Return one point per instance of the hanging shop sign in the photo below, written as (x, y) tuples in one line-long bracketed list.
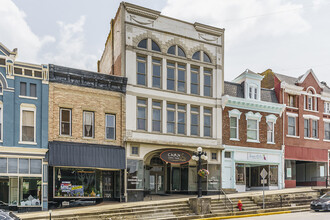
[(175, 156)]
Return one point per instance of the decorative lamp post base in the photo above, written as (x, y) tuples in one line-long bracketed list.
[(200, 206)]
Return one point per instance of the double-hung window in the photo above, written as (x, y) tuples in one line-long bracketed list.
[(156, 116), (171, 118), (28, 126), (292, 126), (170, 76), (194, 127), (307, 128), (156, 73), (176, 118), (327, 107), (110, 126), (315, 129), (233, 128), (194, 86), (181, 86), (181, 119), (22, 91), (327, 131), (270, 132), (207, 82), (0, 123), (88, 124), (252, 129), (33, 90), (207, 122), (141, 70), (142, 114), (65, 123), (291, 100), (253, 92)]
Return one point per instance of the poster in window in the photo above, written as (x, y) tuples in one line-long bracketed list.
[(66, 186), (288, 172), (321, 171), (77, 190)]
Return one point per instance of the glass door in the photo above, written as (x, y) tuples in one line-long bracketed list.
[(108, 192), (156, 181), (4, 192)]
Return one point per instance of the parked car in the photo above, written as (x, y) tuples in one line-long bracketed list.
[(322, 203), (7, 215)]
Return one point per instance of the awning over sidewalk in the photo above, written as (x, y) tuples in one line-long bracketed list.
[(307, 154), (86, 155)]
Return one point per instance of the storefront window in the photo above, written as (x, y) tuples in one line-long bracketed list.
[(273, 175), (134, 174), (290, 170), (30, 191), (240, 174), (13, 184), (214, 177), (71, 182)]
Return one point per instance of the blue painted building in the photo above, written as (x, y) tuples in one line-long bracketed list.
[(23, 133)]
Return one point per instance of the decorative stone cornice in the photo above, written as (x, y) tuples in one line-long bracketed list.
[(85, 78), (253, 105), (208, 29), (141, 11)]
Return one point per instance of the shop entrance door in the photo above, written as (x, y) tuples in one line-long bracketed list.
[(4, 193), (156, 183), (108, 184)]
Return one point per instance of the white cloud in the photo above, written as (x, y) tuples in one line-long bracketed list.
[(248, 18), (70, 49), (16, 33)]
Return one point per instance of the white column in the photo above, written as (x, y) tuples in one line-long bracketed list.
[(149, 71), (188, 79), (164, 74), (214, 83), (188, 119), (149, 112), (201, 121), (201, 81), (164, 117)]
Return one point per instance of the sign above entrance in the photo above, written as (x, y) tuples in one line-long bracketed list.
[(175, 156)]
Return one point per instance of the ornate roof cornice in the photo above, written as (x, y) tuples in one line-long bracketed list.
[(141, 11)]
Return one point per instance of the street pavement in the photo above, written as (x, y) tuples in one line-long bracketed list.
[(295, 216)]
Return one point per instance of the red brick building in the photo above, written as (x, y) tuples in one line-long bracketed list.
[(306, 128)]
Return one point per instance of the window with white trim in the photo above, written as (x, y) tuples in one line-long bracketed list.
[(253, 92), (291, 100), (88, 122), (156, 116), (141, 70), (156, 73), (291, 126), (307, 128), (234, 116), (65, 121), (135, 150), (327, 131), (270, 132), (194, 80), (28, 125), (110, 126), (0, 122), (207, 122), (310, 100), (194, 125), (315, 129), (142, 114), (253, 126), (327, 107)]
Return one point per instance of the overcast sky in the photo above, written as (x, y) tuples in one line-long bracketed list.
[(287, 36)]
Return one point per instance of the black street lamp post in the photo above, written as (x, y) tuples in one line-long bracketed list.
[(199, 156)]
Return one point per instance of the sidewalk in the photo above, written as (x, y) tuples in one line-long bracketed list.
[(156, 200)]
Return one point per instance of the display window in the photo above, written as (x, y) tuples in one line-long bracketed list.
[(30, 191), (135, 174), (240, 175), (75, 182), (214, 177)]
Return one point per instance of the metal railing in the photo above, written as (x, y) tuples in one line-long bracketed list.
[(320, 181), (226, 201)]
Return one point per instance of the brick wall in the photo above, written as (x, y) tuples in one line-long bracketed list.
[(79, 99), (243, 131)]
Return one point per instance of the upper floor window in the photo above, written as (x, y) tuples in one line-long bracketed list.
[(0, 123), (33, 90), (142, 114), (270, 132), (156, 73), (88, 124), (201, 54), (110, 126), (207, 122), (176, 118), (156, 116), (0, 88), (2, 61), (141, 70), (145, 45), (234, 116), (65, 121), (291, 126), (23, 89), (194, 77), (253, 92), (327, 107), (28, 125), (291, 100), (253, 120), (194, 127), (176, 76), (176, 50), (315, 129), (311, 100), (207, 82), (307, 129), (327, 132)]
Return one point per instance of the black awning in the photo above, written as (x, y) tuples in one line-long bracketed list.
[(86, 155)]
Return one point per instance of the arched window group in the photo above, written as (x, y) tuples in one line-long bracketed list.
[(145, 45), (201, 54)]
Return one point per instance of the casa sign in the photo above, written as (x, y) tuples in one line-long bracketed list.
[(175, 156)]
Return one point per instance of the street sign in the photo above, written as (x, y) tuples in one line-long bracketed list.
[(264, 181), (263, 173)]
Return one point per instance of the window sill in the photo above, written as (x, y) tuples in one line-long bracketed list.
[(29, 143), (312, 139), (65, 136), (27, 97), (110, 140), (311, 110), (253, 141), (325, 113), (292, 136), (88, 138), (234, 139), (326, 140), (291, 107), (271, 143)]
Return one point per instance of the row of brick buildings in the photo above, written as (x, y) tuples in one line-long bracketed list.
[(131, 128)]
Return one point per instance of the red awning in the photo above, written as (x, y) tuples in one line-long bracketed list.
[(304, 153)]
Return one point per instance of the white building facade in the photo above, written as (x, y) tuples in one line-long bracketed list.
[(173, 102)]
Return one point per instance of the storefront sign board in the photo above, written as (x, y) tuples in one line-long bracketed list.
[(175, 156), (257, 157)]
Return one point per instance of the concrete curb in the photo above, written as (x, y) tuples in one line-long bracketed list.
[(245, 216)]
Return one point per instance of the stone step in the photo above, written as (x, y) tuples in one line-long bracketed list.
[(148, 212)]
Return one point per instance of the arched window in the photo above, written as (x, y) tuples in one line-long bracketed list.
[(311, 99), (156, 161), (176, 50), (0, 88), (154, 46), (198, 56), (143, 43)]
